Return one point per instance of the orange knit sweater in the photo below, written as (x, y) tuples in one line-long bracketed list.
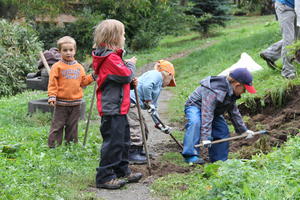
[(66, 82)]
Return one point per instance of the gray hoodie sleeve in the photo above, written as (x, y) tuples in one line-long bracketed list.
[(209, 101), (237, 120)]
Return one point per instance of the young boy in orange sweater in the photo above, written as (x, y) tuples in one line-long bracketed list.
[(67, 77)]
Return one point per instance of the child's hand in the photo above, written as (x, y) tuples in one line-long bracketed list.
[(52, 103), (134, 81), (133, 60)]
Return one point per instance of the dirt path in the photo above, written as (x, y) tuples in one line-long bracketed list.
[(158, 143)]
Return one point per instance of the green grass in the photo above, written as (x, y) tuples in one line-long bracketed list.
[(272, 176), (264, 177), (36, 172)]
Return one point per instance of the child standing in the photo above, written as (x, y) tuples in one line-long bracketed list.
[(115, 76), (67, 77), (150, 85), (204, 111)]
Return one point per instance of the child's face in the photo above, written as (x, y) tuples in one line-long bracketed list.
[(68, 51), (238, 88), (167, 79)]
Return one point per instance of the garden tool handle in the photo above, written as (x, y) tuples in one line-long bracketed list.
[(142, 128), (45, 62), (172, 136), (234, 138)]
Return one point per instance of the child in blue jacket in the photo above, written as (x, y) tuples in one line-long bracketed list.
[(149, 87)]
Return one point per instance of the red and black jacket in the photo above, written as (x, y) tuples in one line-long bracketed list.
[(114, 77)]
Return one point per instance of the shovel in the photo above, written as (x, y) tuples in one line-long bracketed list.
[(178, 143), (234, 138)]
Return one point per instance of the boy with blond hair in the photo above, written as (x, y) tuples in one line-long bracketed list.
[(150, 85), (67, 77)]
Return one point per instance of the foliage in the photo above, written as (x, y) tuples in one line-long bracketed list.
[(29, 166), (81, 31), (209, 13), (32, 8), (7, 10), (262, 7), (19, 47), (272, 176), (145, 21)]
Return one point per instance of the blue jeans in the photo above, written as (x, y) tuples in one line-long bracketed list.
[(193, 135)]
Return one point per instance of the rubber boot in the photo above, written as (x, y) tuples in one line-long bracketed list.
[(135, 157)]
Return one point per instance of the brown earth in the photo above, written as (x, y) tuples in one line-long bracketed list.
[(279, 122)]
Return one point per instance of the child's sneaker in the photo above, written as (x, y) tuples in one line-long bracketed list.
[(112, 184), (133, 177), (194, 160)]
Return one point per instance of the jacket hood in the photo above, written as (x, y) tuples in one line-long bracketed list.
[(215, 82), (100, 54), (218, 83)]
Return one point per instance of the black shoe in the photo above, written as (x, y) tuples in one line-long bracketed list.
[(133, 177), (270, 62), (135, 157), (112, 184), (151, 155)]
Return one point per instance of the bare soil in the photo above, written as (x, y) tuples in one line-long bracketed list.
[(279, 122)]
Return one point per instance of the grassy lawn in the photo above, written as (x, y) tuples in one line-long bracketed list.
[(30, 170), (269, 176)]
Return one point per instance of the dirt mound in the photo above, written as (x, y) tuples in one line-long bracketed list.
[(159, 169), (280, 123)]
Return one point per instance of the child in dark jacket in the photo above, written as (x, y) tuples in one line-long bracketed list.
[(113, 102), (204, 111)]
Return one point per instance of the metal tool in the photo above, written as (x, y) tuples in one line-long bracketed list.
[(157, 118), (234, 138)]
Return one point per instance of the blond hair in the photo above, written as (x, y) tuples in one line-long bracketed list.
[(65, 39), (109, 33)]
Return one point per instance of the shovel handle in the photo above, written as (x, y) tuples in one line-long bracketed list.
[(234, 138), (45, 62)]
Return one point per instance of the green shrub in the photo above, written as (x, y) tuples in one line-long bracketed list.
[(146, 21), (19, 47), (81, 31), (209, 13)]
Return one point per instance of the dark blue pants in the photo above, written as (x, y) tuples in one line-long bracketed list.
[(114, 151), (193, 135)]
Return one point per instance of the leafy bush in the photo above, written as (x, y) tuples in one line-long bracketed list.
[(262, 7), (19, 47), (145, 20), (81, 31), (209, 13)]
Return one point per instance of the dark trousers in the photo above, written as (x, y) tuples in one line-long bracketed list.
[(64, 118), (114, 151)]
